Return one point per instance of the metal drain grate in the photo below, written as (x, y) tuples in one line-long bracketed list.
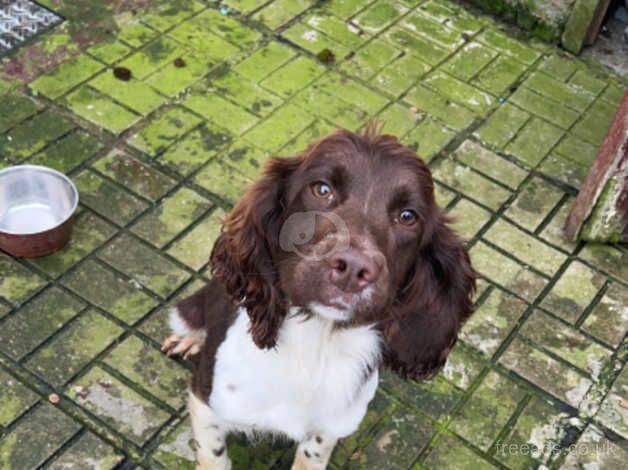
[(21, 19)]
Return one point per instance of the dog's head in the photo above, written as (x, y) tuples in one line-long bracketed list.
[(349, 230)]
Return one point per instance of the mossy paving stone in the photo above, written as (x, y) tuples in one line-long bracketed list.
[(135, 33), (157, 325), (203, 43), (502, 125), (32, 135), (544, 107), (552, 376), (313, 41), (460, 92), (468, 218), (109, 291), (488, 410), (499, 75), (88, 452), (17, 283), (283, 125), (349, 448), (132, 93), (35, 321), (213, 107), (379, 15), (67, 153), (493, 321), (370, 59), (504, 43), (398, 119), (533, 203), (152, 56), (177, 450), (172, 80), (109, 52), (428, 138), (565, 342), (245, 92), (195, 246), (222, 179), (397, 443), (572, 96), (435, 398), (452, 114), (15, 108), (593, 450), (196, 148), (4, 309), (553, 231), (577, 150), (36, 438), (15, 397), (400, 75), (421, 47), (72, 349), (463, 366), (573, 292), (279, 12), (534, 141), (164, 130), (293, 76), (613, 413), (608, 258), (145, 265), (315, 131), (424, 25), (537, 433), (173, 215), (107, 198), (99, 109), (262, 62), (451, 454), (135, 175), (506, 272), (336, 29), (119, 406), (164, 15), (560, 66), (525, 247), (352, 92), (88, 233), (331, 108), (149, 369), (608, 320), (564, 170), (595, 122), (469, 183), (491, 164), (66, 76), (469, 60), (229, 28)]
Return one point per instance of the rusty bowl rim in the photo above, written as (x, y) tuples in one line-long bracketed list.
[(44, 169)]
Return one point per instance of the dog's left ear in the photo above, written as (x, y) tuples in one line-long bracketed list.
[(424, 322)]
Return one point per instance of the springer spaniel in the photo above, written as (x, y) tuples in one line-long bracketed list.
[(333, 263)]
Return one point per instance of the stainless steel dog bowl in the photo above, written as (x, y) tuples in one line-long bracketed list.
[(36, 208)]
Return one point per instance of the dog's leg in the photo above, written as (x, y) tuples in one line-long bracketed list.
[(314, 452), (210, 437)]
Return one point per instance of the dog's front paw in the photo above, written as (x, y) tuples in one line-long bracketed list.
[(186, 346)]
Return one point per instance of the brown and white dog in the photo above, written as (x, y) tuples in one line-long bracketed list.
[(333, 263)]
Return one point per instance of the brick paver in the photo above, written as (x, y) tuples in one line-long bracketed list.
[(509, 126)]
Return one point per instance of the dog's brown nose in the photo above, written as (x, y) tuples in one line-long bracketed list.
[(352, 271)]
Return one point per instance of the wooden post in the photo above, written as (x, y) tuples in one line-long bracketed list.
[(600, 211)]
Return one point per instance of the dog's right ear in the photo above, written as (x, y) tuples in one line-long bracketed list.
[(242, 257)]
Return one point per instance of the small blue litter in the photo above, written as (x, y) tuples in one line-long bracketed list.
[(502, 99), (224, 10)]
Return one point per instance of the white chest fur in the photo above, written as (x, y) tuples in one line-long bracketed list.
[(313, 381)]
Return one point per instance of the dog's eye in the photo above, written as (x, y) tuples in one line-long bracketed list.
[(321, 189), (407, 217)]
